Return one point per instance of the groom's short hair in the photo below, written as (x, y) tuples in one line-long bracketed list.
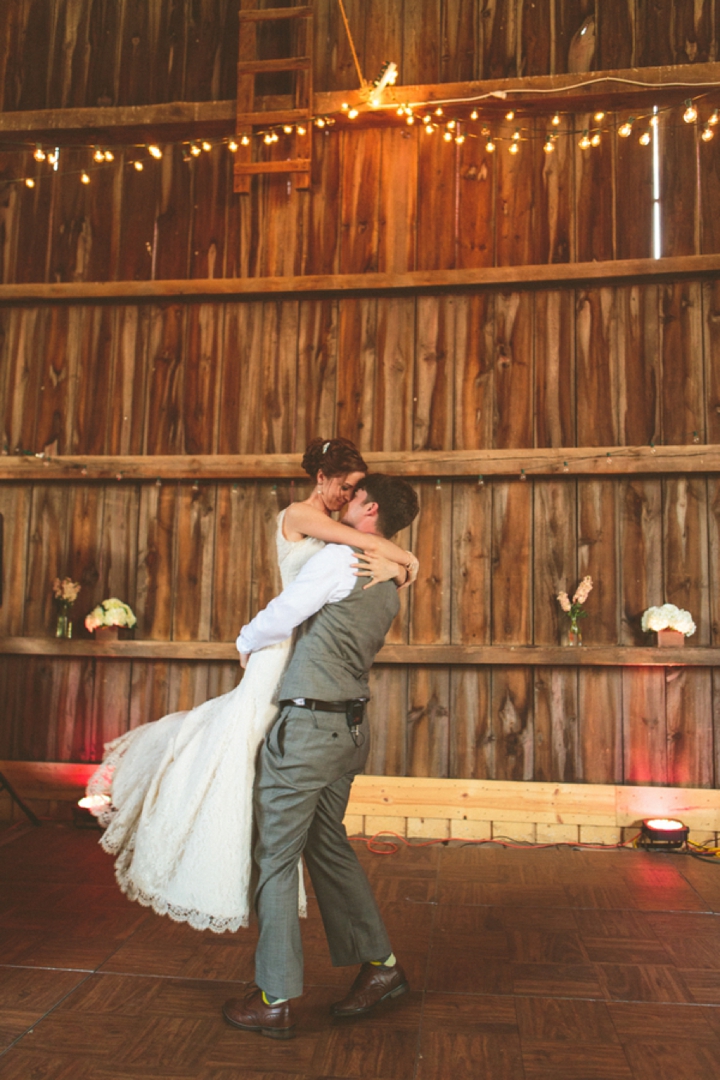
[(397, 502)]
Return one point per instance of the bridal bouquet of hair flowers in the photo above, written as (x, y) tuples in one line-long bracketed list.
[(110, 612), (668, 617), (574, 608)]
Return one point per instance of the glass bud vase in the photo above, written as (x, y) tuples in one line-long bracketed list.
[(64, 624), (574, 634)]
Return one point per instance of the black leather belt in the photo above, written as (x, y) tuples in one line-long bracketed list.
[(316, 705)]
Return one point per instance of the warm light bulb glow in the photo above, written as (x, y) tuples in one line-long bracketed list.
[(400, 110), (599, 116), (109, 156), (429, 129), (268, 139), (29, 182), (664, 823), (427, 119), (98, 155), (301, 130), (438, 111), (459, 138), (287, 128), (155, 152), (516, 135), (451, 124), (94, 802), (555, 120), (513, 148), (645, 138), (84, 178), (690, 114), (585, 143), (707, 133), (490, 146), (410, 120), (320, 122), (447, 136), (625, 129), (206, 146), (344, 106), (510, 115), (548, 146), (474, 114), (232, 146), (245, 141), (712, 120), (195, 150), (595, 139)]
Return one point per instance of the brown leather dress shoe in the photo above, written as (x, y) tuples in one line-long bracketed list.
[(374, 983), (250, 1013)]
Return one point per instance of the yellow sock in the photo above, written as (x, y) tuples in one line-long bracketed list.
[(389, 961), (272, 1000)]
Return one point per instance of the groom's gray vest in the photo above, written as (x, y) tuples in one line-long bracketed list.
[(335, 648)]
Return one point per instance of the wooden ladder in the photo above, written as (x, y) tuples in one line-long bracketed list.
[(248, 117)]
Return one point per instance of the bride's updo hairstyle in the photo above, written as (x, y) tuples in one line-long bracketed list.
[(336, 457)]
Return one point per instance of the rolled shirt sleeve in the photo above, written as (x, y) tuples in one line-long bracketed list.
[(326, 578)]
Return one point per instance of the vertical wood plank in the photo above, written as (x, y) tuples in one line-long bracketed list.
[(270, 499), (93, 412), (595, 191), (597, 390), (126, 422), (512, 563), (118, 553), (421, 42), (472, 567), (679, 222), (279, 367), (554, 345), (324, 216), (683, 413), (213, 181), (644, 727), (512, 718), (360, 200), (86, 504), (194, 562), (388, 721), (47, 555), (714, 560), (555, 721), (600, 736), (24, 355), (476, 202), (639, 364), (554, 559), (173, 223), (202, 377), (598, 558), (156, 536), (711, 355), (164, 389), (357, 338), (55, 386), (514, 370), (633, 178), (317, 370), (553, 212), (15, 506), (640, 518), (686, 568), (431, 542), (514, 236), (428, 721), (434, 405), (472, 744), (475, 372), (398, 199), (436, 210), (240, 399), (393, 405), (233, 559), (688, 696)]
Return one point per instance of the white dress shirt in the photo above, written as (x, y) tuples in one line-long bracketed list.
[(326, 578)]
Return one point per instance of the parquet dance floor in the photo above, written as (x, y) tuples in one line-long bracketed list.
[(524, 965)]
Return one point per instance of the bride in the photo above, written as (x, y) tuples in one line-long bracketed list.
[(179, 816)]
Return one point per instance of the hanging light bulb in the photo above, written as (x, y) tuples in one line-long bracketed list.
[(707, 133), (344, 106), (232, 146), (645, 138), (626, 129), (490, 146), (438, 111), (39, 154), (510, 115), (429, 129), (287, 128), (206, 145), (267, 138), (138, 165), (301, 130), (245, 140), (353, 113), (712, 120), (690, 114), (459, 138), (98, 155), (109, 156), (320, 122), (84, 178), (410, 120), (29, 182), (548, 145), (513, 148), (474, 114), (555, 120), (155, 152), (195, 150), (427, 119), (595, 139), (516, 135), (599, 116), (585, 143), (447, 136), (451, 125)]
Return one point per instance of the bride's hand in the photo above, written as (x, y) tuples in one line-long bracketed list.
[(244, 657), (413, 569), (376, 568)]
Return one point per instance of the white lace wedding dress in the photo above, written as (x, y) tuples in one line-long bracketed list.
[(180, 817)]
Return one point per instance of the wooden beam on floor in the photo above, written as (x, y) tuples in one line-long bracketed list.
[(415, 281), (565, 462)]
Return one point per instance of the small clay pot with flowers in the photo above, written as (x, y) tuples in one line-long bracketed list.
[(106, 620)]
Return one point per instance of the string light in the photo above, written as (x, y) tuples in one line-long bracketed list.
[(410, 119), (626, 129), (287, 128), (109, 156), (555, 121), (195, 150), (155, 151), (585, 143), (39, 154), (268, 139), (548, 145), (98, 155), (645, 138), (707, 133), (206, 146), (438, 111), (690, 114), (138, 166), (451, 125), (490, 146), (245, 141), (599, 116), (84, 178), (712, 120), (232, 146), (474, 114), (510, 115), (429, 129), (29, 182), (513, 148), (427, 119), (400, 110), (595, 139), (459, 138), (344, 106), (320, 122), (516, 135), (300, 130), (447, 136)]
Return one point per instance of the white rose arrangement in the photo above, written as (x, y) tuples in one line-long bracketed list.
[(668, 617), (110, 612)]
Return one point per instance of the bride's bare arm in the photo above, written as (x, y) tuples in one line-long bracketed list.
[(304, 519)]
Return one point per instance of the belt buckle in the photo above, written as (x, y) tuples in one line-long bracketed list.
[(299, 701)]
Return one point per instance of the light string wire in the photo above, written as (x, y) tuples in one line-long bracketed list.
[(352, 45)]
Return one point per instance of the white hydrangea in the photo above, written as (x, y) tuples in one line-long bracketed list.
[(112, 612), (668, 617)]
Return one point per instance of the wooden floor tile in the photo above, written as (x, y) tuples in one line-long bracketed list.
[(703, 985), (674, 1060), (541, 946), (556, 1062), (27, 994), (478, 892), (543, 1020), (597, 923), (468, 1056), (624, 950), (21, 1064), (635, 982), (457, 971), (481, 1014), (639, 1020), (556, 980)]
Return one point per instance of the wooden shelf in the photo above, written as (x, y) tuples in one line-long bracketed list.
[(563, 463), (533, 655)]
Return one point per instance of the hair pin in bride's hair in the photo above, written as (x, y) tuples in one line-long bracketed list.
[(325, 447)]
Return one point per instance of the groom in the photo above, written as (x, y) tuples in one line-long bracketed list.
[(306, 768)]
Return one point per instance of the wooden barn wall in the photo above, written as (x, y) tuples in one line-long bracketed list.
[(391, 200), (70, 53), (629, 364)]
